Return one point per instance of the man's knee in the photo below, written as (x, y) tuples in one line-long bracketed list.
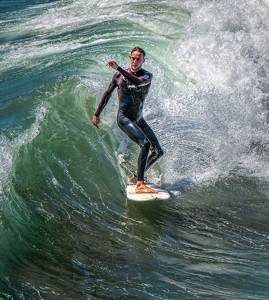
[(158, 152)]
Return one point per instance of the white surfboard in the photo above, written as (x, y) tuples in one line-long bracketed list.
[(132, 195)]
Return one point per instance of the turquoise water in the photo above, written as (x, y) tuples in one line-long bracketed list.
[(66, 229)]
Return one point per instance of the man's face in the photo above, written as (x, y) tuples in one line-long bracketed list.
[(137, 60)]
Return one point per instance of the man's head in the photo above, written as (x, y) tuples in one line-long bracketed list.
[(137, 57)]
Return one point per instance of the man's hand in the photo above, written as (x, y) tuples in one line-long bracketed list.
[(95, 121), (112, 64)]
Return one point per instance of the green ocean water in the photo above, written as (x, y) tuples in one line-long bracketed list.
[(66, 228)]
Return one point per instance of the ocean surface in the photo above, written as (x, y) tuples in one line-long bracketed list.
[(66, 228)]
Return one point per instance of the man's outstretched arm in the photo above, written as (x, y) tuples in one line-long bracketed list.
[(136, 80), (103, 101)]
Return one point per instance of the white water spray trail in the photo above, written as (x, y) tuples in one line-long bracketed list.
[(220, 111)]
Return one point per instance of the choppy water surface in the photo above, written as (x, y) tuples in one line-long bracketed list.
[(66, 229)]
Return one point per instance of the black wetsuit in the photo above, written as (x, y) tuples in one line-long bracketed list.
[(132, 91)]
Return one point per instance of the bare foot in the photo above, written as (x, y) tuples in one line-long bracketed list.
[(142, 188)]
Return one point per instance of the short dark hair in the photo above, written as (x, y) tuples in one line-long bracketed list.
[(139, 50)]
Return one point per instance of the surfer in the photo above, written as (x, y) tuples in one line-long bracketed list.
[(133, 86)]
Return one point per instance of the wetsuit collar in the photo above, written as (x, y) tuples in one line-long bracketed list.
[(135, 71)]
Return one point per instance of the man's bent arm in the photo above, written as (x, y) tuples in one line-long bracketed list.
[(135, 79), (106, 96)]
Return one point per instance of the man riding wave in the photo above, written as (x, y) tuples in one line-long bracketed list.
[(133, 86)]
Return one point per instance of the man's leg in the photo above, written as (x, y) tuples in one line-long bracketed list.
[(156, 150), (135, 133)]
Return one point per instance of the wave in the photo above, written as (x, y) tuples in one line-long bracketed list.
[(66, 229)]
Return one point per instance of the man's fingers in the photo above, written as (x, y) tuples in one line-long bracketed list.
[(95, 121), (95, 124), (112, 64), (109, 62)]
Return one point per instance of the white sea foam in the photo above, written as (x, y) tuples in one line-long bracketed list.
[(5, 160), (34, 130), (8, 146), (224, 55)]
